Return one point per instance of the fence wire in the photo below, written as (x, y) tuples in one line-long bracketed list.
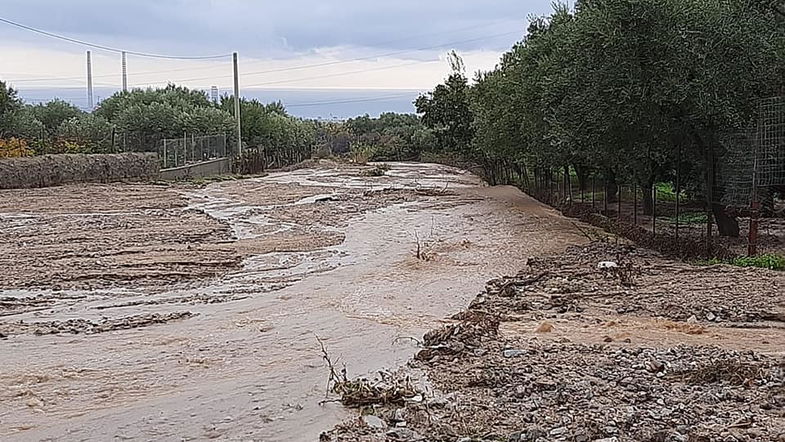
[(191, 149), (753, 167)]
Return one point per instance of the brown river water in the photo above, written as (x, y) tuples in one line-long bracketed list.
[(249, 367)]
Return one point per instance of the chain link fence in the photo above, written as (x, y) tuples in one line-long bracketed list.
[(191, 149), (741, 189)]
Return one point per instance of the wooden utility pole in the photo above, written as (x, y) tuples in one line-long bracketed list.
[(237, 105), (125, 73), (89, 82)]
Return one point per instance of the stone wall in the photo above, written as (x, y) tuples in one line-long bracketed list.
[(54, 170)]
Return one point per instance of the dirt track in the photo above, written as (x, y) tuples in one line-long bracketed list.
[(179, 312)]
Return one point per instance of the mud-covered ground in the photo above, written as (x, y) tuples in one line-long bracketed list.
[(652, 350), (185, 312)]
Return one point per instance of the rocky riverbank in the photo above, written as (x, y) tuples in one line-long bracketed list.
[(601, 343)]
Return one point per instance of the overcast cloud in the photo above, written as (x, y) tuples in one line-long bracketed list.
[(268, 34)]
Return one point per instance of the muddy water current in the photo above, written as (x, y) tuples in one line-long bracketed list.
[(245, 364)]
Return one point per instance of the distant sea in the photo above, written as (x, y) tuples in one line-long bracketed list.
[(326, 104)]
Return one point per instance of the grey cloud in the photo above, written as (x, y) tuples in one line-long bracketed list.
[(273, 28)]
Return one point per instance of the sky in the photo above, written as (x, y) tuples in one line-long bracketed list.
[(284, 45)]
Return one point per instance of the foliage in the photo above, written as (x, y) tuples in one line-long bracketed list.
[(618, 88), (378, 170), (22, 124), (689, 218), (447, 113), (14, 148), (392, 136), (332, 137), (15, 120), (146, 116), (361, 154), (92, 133), (54, 113), (769, 261), (269, 126)]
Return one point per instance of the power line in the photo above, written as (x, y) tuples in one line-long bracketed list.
[(359, 100), (293, 68), (108, 48), (203, 68), (338, 74), (369, 57)]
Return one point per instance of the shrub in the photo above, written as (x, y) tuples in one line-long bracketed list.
[(768, 261), (771, 261), (14, 148)]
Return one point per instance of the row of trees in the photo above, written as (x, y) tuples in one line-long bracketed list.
[(53, 126), (391, 137), (627, 89), (139, 119)]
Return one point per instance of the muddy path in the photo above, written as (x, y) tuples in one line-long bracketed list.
[(185, 313)]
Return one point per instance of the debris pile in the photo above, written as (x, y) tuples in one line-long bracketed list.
[(516, 367), (89, 327)]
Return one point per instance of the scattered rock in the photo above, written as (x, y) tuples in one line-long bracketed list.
[(513, 353), (545, 327), (404, 434), (374, 421)]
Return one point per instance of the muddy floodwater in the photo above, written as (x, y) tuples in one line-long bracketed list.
[(184, 312)]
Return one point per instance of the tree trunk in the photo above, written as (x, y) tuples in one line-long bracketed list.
[(647, 200), (583, 177), (726, 224), (611, 188)]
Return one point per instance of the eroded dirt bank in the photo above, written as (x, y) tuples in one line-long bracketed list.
[(186, 313), (651, 350)]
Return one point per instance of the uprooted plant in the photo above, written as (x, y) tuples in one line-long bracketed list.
[(378, 170), (387, 389), (422, 249)]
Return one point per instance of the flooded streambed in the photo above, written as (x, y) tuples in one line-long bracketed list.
[(181, 313)]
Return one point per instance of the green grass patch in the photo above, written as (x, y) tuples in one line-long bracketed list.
[(771, 261), (689, 218), (665, 192)]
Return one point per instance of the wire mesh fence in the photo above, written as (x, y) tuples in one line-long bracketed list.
[(736, 192), (191, 149)]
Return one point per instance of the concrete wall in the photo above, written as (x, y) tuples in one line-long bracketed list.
[(54, 170), (221, 166)]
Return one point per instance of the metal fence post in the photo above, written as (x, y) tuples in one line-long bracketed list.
[(635, 202), (165, 153), (224, 144), (654, 209), (752, 247), (678, 198)]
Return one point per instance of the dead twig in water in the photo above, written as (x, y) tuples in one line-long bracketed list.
[(389, 389), (411, 338)]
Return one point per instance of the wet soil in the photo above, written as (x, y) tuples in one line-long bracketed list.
[(180, 312), (566, 350)]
